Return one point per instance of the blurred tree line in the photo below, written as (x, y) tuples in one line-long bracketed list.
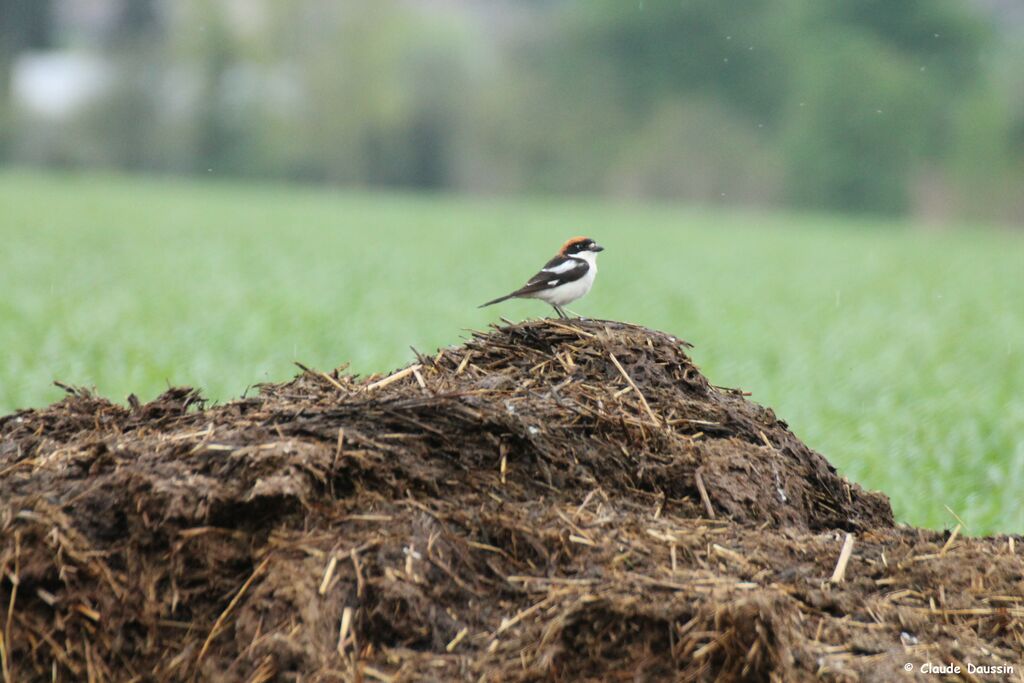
[(861, 105)]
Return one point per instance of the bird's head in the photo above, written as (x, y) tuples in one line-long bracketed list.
[(579, 246)]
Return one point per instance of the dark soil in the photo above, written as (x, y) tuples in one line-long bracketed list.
[(552, 501)]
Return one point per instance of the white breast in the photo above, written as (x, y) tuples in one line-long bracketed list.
[(570, 291)]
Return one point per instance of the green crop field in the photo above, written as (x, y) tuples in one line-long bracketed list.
[(897, 353)]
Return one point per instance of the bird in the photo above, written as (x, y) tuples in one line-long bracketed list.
[(564, 279)]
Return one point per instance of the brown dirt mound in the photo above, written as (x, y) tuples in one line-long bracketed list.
[(552, 501)]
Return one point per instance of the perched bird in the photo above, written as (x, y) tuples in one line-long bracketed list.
[(563, 279)]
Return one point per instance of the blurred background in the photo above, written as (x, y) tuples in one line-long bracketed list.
[(826, 198), (913, 107)]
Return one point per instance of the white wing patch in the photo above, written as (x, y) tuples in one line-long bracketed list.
[(552, 283), (568, 264)]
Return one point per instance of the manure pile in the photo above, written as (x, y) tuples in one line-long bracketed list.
[(551, 501)]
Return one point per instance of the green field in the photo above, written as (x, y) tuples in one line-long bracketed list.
[(897, 353)]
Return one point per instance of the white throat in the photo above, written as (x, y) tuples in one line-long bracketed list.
[(590, 257)]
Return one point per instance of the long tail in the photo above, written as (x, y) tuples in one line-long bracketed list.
[(498, 300)]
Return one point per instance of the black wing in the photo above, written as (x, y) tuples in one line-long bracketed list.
[(557, 271)]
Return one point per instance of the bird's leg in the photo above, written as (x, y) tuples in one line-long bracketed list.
[(559, 311)]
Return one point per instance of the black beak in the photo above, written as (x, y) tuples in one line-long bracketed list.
[(597, 247)]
